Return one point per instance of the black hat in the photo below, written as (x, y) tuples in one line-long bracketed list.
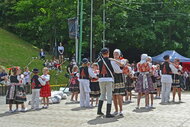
[(85, 61), (166, 57), (35, 70), (104, 50)]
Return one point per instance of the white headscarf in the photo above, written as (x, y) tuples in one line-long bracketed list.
[(118, 51), (149, 57), (143, 58)]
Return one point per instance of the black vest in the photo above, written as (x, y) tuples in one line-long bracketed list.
[(166, 68), (84, 73), (13, 79), (104, 72), (35, 82)]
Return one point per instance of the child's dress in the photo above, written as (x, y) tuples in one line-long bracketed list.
[(45, 91), (94, 86), (74, 83)]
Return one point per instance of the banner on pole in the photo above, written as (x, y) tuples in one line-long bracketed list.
[(73, 28)]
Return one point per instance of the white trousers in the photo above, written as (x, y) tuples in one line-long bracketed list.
[(166, 88), (106, 89), (35, 98), (84, 93)]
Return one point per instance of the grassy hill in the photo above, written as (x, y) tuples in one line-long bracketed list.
[(17, 52)]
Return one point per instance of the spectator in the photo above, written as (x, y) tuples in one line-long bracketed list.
[(61, 51), (42, 54)]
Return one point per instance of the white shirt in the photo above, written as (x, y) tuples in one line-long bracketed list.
[(46, 77), (60, 48), (26, 77), (116, 69), (174, 69)]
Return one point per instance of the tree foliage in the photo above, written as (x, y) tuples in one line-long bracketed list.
[(134, 26)]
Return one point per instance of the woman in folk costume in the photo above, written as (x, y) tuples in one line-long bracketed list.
[(15, 93), (144, 81), (84, 83), (152, 71), (176, 68), (45, 91), (94, 85), (128, 79), (119, 85)]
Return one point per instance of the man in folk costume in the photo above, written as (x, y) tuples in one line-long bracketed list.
[(106, 80), (85, 74), (166, 79)]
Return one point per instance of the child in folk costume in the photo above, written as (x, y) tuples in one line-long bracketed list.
[(84, 83), (36, 86), (74, 83), (94, 85), (119, 85), (157, 75), (144, 81), (176, 68), (128, 75), (45, 91)]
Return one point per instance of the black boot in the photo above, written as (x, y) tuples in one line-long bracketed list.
[(100, 108), (108, 115)]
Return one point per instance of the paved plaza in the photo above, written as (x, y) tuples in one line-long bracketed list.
[(67, 114)]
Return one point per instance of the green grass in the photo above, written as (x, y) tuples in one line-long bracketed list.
[(17, 52)]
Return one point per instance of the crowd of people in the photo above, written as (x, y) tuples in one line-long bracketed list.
[(114, 79), (16, 82), (110, 79)]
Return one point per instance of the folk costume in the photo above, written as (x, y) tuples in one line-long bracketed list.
[(94, 86), (166, 80), (84, 83)]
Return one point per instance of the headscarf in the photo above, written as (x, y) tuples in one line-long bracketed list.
[(143, 58), (118, 51)]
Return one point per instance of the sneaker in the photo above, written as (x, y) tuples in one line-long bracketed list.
[(10, 111), (45, 107), (121, 113), (16, 110), (23, 110), (137, 107), (37, 109), (96, 105), (115, 113), (151, 106), (147, 107)]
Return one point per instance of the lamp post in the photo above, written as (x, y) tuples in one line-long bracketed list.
[(81, 24), (91, 31), (104, 23)]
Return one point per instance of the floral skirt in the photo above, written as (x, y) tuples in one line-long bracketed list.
[(16, 94), (139, 86)]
